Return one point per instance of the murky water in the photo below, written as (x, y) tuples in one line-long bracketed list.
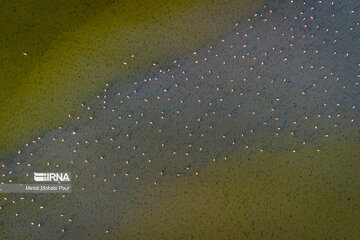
[(52, 61), (252, 136)]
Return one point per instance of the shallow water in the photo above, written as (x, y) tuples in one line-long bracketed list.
[(260, 145), (54, 59)]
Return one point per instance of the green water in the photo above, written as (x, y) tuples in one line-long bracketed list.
[(73, 49), (71, 54), (269, 195)]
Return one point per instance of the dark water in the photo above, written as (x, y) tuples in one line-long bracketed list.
[(55, 54), (254, 136)]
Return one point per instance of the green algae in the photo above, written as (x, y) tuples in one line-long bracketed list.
[(262, 195), (71, 55)]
